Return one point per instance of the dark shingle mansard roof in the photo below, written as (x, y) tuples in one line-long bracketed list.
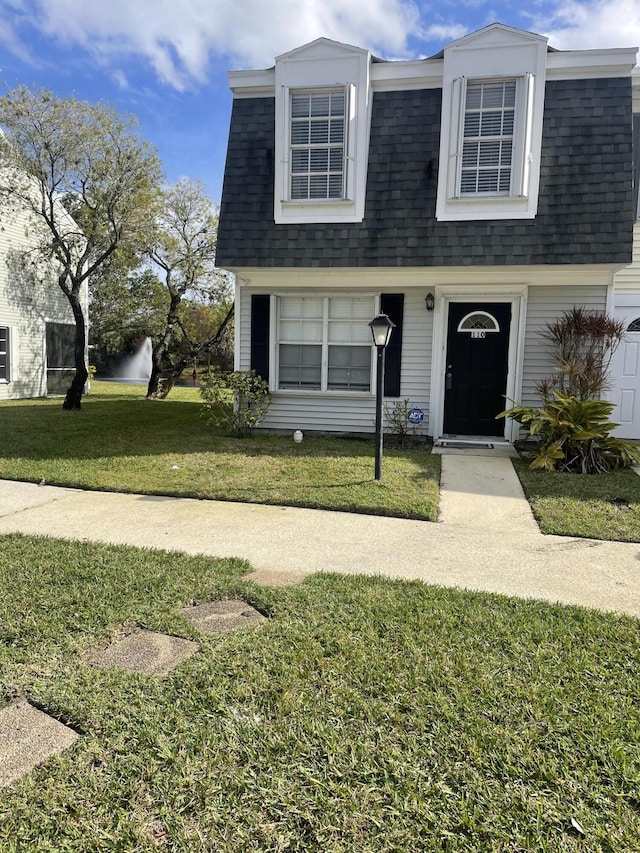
[(585, 211)]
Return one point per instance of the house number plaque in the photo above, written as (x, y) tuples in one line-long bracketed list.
[(478, 333)]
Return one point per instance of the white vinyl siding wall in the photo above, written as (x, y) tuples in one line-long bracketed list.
[(546, 304), (629, 277), (344, 412), (25, 304)]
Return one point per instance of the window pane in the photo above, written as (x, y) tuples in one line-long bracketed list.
[(318, 185), (300, 161), (300, 366), (60, 339), (474, 96), (300, 133), (319, 132), (336, 159), (336, 135), (320, 104), (489, 154), (300, 106), (319, 160), (492, 95), (299, 187), (349, 368), (337, 104), (491, 124)]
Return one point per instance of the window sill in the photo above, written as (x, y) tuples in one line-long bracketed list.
[(290, 392), (487, 207), (312, 210)]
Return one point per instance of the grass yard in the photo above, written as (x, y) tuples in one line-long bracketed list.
[(122, 442), (365, 715), (597, 506)]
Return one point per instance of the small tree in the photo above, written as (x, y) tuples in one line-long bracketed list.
[(583, 344), (572, 425), (183, 250), (89, 183)]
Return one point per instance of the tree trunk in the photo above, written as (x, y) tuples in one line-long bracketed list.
[(160, 347), (73, 398)]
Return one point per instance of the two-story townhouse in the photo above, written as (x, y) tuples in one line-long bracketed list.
[(471, 196)]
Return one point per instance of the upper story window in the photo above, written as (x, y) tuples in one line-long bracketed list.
[(491, 127), (317, 145), (487, 144), (323, 115)]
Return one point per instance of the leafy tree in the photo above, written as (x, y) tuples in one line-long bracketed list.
[(89, 183), (182, 251)]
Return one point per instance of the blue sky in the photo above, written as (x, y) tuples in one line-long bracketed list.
[(166, 60)]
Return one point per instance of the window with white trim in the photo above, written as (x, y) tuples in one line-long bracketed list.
[(324, 343), (487, 144), (5, 354), (491, 127), (317, 145)]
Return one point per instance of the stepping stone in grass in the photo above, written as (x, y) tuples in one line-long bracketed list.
[(27, 738), (218, 616), (146, 652)]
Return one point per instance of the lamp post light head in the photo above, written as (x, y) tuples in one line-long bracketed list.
[(381, 328)]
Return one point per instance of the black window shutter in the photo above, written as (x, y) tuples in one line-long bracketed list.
[(392, 304), (260, 322)]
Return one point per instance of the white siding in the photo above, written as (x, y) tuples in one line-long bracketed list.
[(546, 304), (344, 412), (27, 301), (629, 277)]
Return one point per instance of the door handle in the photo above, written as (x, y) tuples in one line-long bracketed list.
[(449, 378)]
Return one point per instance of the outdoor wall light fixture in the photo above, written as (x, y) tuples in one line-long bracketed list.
[(381, 328), (429, 301)]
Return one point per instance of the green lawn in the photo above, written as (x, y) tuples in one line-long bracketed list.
[(122, 442), (365, 715), (597, 506)]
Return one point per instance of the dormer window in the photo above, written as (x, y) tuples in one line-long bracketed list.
[(317, 145), (493, 101), (323, 117)]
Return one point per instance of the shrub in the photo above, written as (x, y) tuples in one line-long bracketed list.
[(583, 344), (235, 402), (574, 435), (398, 424)]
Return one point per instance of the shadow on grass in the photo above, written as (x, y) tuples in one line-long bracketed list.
[(121, 425)]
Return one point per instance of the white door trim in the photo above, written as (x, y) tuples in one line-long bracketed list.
[(516, 294)]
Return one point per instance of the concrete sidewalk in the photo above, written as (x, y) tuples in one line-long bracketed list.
[(486, 538)]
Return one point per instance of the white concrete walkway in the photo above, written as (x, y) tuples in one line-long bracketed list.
[(486, 538)]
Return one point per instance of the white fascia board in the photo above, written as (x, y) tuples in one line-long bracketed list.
[(405, 75), (428, 73), (276, 278), (589, 64), (252, 84)]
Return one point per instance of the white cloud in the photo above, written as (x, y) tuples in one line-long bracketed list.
[(178, 38), (585, 24)]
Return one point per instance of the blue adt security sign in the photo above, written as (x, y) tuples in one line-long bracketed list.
[(415, 416)]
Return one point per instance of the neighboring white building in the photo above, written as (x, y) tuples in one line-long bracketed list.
[(36, 323)]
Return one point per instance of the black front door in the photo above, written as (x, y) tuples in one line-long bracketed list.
[(476, 367)]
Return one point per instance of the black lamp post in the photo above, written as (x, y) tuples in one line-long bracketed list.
[(381, 328)]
